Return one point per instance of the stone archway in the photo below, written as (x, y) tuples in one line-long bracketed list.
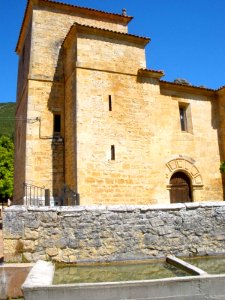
[(180, 190), (187, 166)]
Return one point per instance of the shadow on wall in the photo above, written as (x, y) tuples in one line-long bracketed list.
[(56, 108), (62, 193), (217, 113)]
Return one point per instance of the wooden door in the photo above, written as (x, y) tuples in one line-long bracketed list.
[(180, 188)]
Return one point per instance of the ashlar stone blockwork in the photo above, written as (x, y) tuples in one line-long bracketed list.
[(72, 61)]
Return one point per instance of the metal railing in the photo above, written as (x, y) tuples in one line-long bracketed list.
[(35, 195), (39, 196)]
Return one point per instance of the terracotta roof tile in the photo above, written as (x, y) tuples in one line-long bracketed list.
[(151, 73), (151, 70), (127, 19), (220, 88), (184, 85), (139, 39)]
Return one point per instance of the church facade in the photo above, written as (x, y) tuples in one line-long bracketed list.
[(94, 125)]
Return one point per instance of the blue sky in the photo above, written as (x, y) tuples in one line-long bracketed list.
[(187, 38)]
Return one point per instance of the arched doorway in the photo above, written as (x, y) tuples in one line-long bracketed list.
[(180, 191)]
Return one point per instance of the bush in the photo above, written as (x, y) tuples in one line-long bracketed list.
[(6, 167)]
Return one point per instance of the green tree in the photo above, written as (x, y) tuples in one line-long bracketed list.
[(6, 167), (222, 167)]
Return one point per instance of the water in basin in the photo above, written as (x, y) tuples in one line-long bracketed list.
[(115, 272), (212, 265)]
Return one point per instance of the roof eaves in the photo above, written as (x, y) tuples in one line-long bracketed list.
[(102, 31), (22, 26), (125, 19), (151, 73), (220, 88), (221, 91), (191, 86), (188, 88)]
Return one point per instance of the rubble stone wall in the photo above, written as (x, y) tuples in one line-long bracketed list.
[(107, 233)]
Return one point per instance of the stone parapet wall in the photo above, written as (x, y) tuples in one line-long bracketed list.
[(106, 233)]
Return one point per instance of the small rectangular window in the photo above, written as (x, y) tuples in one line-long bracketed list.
[(113, 155), (110, 103), (57, 123), (183, 118)]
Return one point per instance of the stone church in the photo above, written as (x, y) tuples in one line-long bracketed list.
[(95, 126)]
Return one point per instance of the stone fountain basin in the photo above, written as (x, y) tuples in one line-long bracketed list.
[(39, 286)]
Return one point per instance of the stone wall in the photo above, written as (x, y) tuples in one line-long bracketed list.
[(20, 149), (144, 128), (41, 76), (106, 233), (143, 124), (21, 119), (50, 27)]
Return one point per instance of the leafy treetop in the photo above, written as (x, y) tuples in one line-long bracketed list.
[(6, 167)]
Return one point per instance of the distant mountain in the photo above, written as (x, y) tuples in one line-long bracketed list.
[(7, 118)]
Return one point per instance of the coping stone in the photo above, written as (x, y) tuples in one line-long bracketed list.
[(95, 207), (41, 274), (18, 208), (173, 206), (115, 208), (192, 205)]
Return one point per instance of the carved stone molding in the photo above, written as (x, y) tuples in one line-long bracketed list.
[(186, 165)]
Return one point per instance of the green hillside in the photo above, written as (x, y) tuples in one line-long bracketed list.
[(7, 118)]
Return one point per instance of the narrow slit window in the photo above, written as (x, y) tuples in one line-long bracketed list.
[(183, 118), (110, 103), (113, 152), (57, 124)]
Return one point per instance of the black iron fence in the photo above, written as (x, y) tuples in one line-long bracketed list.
[(40, 196), (36, 195)]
